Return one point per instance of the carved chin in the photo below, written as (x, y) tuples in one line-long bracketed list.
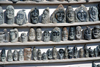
[(9, 16), (19, 21), (70, 19), (34, 20)]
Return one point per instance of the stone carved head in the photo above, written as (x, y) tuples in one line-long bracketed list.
[(23, 37), (93, 13), (46, 36), (21, 18), (70, 14), (38, 34), (3, 55), (49, 54), (31, 36), (78, 33), (34, 15), (9, 56), (64, 34), (81, 14), (1, 16), (54, 53), (59, 15)]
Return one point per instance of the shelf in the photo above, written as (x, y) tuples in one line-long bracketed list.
[(47, 2), (52, 24), (51, 61), (41, 43)]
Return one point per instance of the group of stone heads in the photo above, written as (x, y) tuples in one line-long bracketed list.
[(95, 65), (15, 56)]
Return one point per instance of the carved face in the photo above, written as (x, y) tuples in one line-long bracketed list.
[(28, 54), (32, 34), (96, 32), (82, 15), (10, 12), (61, 51), (39, 34), (34, 16), (60, 16), (65, 34), (45, 14), (78, 32), (46, 35), (23, 35), (12, 34), (71, 33)]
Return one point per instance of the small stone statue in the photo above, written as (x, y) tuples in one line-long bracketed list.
[(59, 15), (3, 55), (9, 56), (15, 55), (38, 34), (66, 53), (46, 36), (6, 36), (61, 53), (1, 37), (93, 13), (98, 49), (23, 37), (10, 14), (87, 33), (39, 54), (78, 33), (34, 54), (1, 16), (54, 53), (64, 34), (81, 14), (75, 52), (93, 64), (70, 14), (21, 17), (14, 35), (15, 1), (45, 16), (56, 34), (96, 32), (49, 54), (91, 52), (34, 15), (99, 11), (71, 33), (31, 34), (95, 52), (27, 54), (44, 56), (21, 55), (86, 51), (70, 53), (81, 53)]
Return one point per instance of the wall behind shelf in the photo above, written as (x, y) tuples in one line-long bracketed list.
[(44, 48)]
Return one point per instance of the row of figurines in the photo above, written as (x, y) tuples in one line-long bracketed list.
[(34, 54), (81, 14), (15, 1), (56, 35)]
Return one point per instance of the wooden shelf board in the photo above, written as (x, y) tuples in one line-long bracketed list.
[(41, 43), (52, 24), (51, 61), (47, 2)]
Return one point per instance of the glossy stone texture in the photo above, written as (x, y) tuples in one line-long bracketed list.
[(23, 37), (71, 35), (64, 34), (27, 54), (61, 53), (34, 54), (93, 13), (45, 19), (10, 14), (1, 16), (14, 35), (44, 56), (21, 55), (96, 32), (86, 51), (21, 17), (78, 33), (39, 55), (70, 16), (46, 36), (15, 55), (81, 53), (9, 56), (6, 36), (87, 33), (81, 14), (70, 53), (49, 54), (38, 34), (75, 52), (34, 15), (56, 34), (31, 36), (54, 53), (59, 15), (3, 55)]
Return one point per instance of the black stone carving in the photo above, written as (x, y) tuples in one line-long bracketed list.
[(61, 53), (49, 54)]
